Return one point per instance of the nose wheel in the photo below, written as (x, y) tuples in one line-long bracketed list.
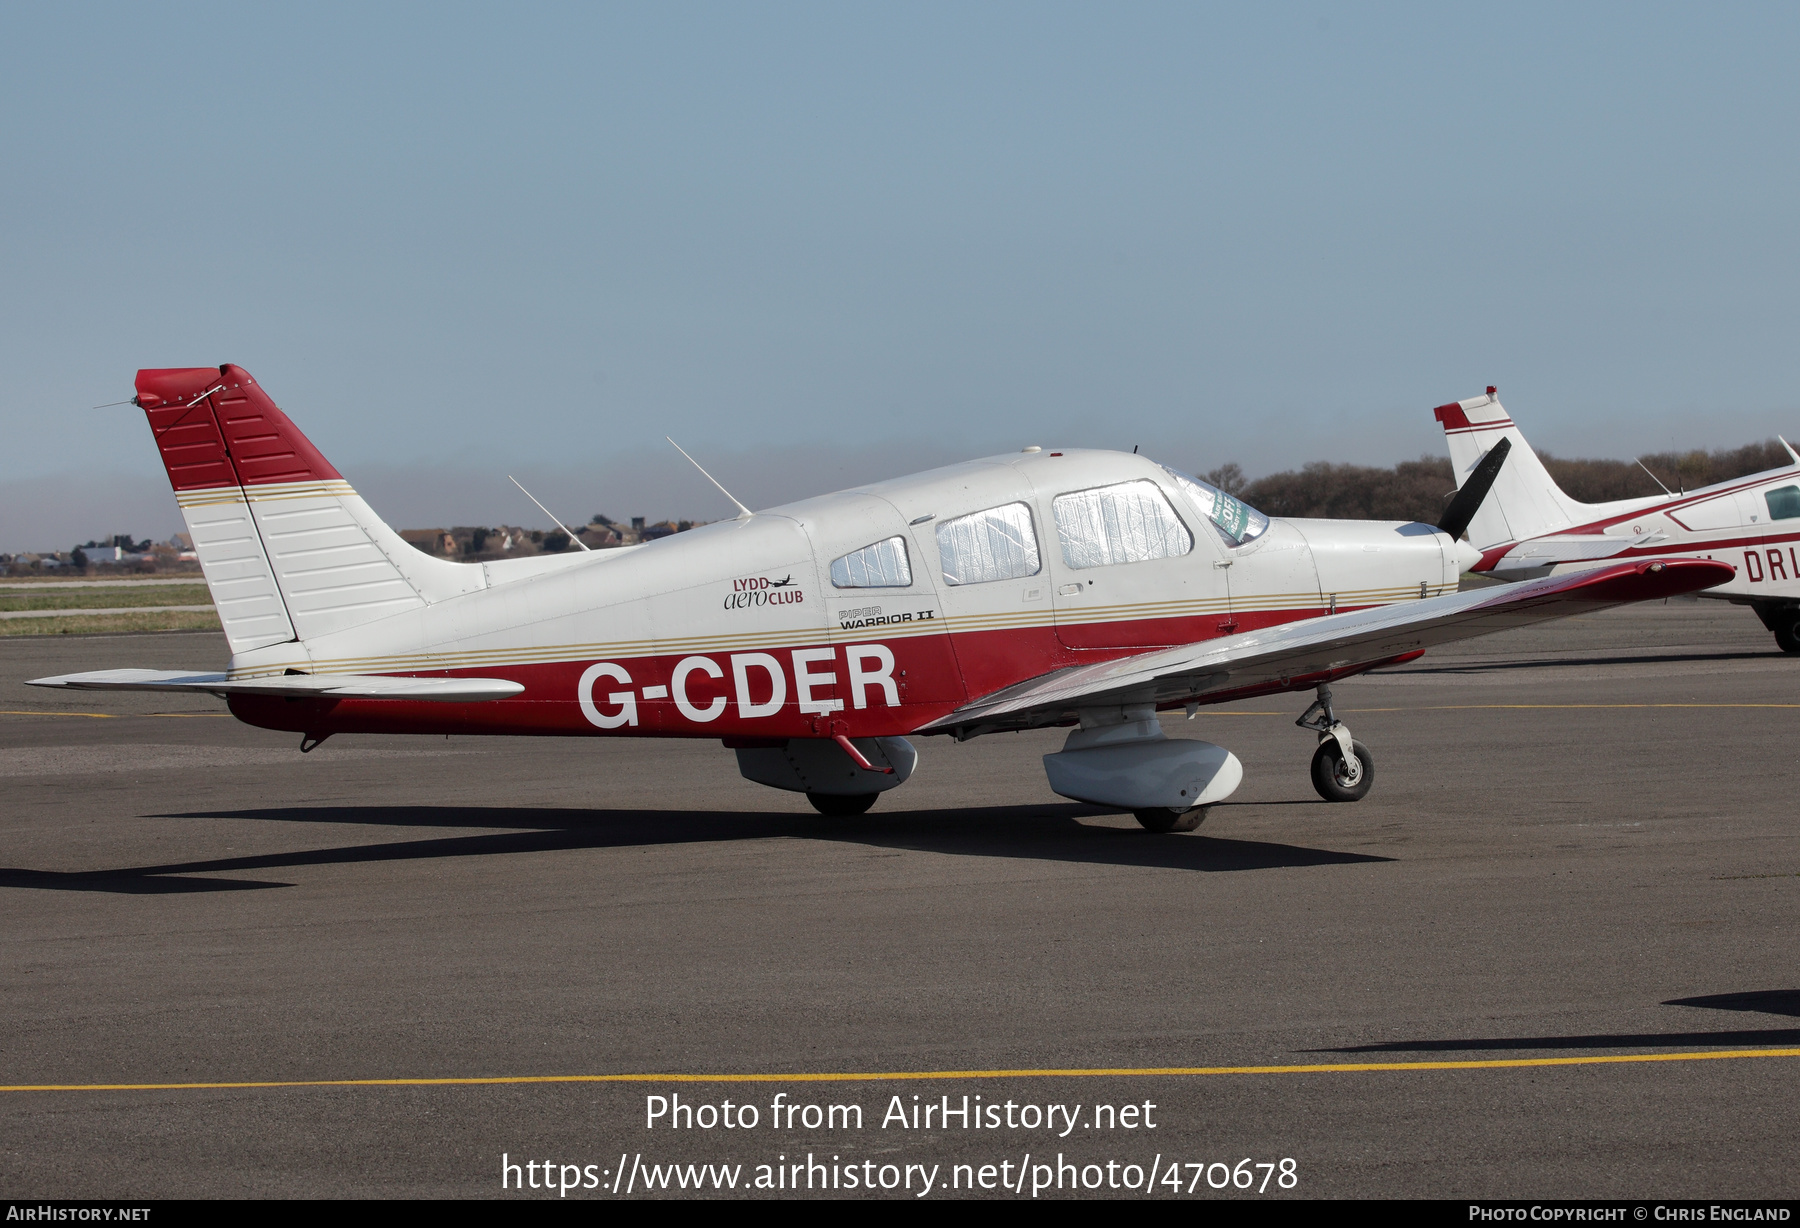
[(1343, 770), (1340, 779)]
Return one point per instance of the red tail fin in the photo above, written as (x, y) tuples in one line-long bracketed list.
[(289, 549), (216, 427)]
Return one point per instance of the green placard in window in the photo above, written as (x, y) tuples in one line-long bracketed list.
[(1231, 515)]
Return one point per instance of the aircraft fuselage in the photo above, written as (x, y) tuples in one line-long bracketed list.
[(741, 630)]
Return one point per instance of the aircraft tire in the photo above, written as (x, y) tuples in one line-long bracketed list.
[(1162, 819), (1787, 630), (1328, 772), (841, 805)]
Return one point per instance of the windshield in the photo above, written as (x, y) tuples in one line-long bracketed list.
[(1236, 520)]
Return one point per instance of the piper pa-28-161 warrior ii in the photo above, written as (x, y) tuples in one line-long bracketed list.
[(1044, 588), (1528, 528)]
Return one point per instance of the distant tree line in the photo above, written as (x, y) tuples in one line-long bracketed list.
[(1418, 490)]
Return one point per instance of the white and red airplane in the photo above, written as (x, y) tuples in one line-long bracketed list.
[(1527, 527), (1042, 588)]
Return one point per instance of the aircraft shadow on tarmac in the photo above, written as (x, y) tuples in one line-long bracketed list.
[(1762, 1001), (1045, 832)]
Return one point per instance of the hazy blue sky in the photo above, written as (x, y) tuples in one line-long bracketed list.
[(820, 244)]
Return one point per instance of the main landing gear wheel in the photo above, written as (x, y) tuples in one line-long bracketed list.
[(1339, 781), (1787, 630), (1162, 819), (841, 805), (1336, 778)]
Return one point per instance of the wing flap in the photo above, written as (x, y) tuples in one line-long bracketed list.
[(1299, 654), (324, 686)]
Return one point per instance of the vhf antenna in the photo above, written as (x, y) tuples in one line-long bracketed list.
[(744, 512), (573, 535), (1654, 478)]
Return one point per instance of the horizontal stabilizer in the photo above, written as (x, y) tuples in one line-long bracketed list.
[(295, 686)]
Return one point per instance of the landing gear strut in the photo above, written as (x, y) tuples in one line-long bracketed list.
[(1342, 768)]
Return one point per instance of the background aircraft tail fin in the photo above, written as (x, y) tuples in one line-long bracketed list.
[(1525, 500), (289, 549)]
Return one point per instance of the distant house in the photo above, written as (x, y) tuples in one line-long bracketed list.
[(439, 542)]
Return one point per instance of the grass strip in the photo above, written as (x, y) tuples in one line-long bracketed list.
[(112, 624), (72, 579), (104, 598)]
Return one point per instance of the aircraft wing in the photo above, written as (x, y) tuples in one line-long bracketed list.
[(1302, 654), (323, 686)]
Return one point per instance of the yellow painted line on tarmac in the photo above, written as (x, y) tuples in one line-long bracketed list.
[(890, 1076)]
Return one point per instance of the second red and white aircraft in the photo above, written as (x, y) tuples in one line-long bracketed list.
[(1528, 528)]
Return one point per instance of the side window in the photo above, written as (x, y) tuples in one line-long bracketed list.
[(997, 544), (1128, 523), (882, 565), (1784, 504), (1237, 520)]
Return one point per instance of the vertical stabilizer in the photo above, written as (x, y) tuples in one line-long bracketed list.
[(1525, 500), (289, 549)]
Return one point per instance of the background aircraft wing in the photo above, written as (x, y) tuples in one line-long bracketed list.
[(1540, 551), (1298, 655), (330, 686)]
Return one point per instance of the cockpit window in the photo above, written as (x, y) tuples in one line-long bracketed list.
[(998, 544), (882, 565), (1131, 522), (1236, 520), (1784, 504)]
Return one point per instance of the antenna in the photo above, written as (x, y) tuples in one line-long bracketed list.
[(573, 535), (1654, 478), (745, 513), (1790, 448)]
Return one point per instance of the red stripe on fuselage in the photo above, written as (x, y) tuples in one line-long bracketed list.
[(928, 683), (1680, 501)]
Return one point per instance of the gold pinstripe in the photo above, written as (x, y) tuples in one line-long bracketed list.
[(335, 488), (209, 498)]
